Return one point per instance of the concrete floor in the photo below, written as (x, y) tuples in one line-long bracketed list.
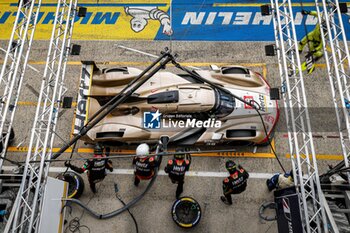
[(153, 212)]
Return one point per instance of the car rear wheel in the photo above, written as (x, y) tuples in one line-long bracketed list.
[(186, 212)]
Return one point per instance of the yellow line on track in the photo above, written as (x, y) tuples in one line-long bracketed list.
[(324, 157), (212, 154), (254, 4), (30, 103), (236, 154), (273, 146), (264, 72), (27, 103), (329, 49), (321, 65), (78, 63)]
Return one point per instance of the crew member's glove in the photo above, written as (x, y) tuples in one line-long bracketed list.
[(67, 164), (304, 12)]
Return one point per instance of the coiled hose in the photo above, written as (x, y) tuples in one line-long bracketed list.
[(270, 205), (125, 207)]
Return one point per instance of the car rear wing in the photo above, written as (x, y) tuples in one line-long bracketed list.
[(81, 112)]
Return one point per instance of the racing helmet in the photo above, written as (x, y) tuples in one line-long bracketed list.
[(98, 150), (142, 150), (180, 155), (231, 166)]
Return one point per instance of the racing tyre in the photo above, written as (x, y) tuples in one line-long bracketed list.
[(75, 184), (186, 212)]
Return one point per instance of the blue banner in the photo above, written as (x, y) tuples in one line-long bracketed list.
[(188, 20), (239, 21)]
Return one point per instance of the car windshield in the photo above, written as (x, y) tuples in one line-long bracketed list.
[(225, 104)]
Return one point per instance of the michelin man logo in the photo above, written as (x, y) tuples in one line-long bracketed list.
[(141, 15), (151, 120)]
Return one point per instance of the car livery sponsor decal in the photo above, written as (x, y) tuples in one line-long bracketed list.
[(82, 100), (286, 209), (248, 99), (270, 119), (287, 213), (262, 103), (206, 20)]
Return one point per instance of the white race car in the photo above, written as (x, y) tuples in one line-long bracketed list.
[(178, 105)]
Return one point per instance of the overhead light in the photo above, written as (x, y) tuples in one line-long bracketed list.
[(75, 50), (343, 7), (82, 11), (265, 10), (270, 50), (67, 102), (275, 93)]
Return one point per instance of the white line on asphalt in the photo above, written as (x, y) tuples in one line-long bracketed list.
[(253, 175)]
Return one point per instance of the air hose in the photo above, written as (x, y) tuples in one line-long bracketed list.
[(125, 207), (115, 212)]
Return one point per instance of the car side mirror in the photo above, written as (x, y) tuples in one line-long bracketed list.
[(215, 68)]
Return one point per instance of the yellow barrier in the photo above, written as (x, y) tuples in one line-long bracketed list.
[(106, 20)]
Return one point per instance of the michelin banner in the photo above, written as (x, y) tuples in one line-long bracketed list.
[(190, 20)]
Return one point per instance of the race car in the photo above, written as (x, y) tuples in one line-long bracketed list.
[(187, 110)]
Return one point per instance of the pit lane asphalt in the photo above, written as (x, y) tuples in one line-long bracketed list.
[(153, 212)]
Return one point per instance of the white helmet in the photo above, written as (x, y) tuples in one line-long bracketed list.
[(142, 150)]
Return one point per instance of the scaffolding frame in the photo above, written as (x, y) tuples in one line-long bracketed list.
[(29, 200), (27, 208), (297, 117), (337, 60), (14, 66)]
